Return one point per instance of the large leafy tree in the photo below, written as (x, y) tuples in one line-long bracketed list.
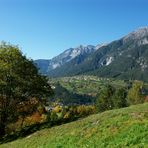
[(19, 81)]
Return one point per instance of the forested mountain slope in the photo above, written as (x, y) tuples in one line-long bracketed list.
[(77, 55), (126, 58)]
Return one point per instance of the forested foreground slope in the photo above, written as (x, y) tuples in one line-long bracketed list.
[(127, 127)]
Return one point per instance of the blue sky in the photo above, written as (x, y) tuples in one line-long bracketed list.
[(45, 28)]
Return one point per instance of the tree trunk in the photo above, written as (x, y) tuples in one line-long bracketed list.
[(2, 129), (3, 119)]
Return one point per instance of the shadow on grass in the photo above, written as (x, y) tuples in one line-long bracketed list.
[(24, 132), (33, 128)]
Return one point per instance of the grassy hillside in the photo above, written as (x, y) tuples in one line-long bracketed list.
[(126, 127)]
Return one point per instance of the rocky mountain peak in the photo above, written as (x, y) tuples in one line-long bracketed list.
[(140, 33), (100, 45)]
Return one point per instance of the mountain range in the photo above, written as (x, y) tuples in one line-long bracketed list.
[(125, 58), (80, 53)]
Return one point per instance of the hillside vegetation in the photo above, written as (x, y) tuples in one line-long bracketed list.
[(85, 89), (85, 84), (81, 89), (127, 127)]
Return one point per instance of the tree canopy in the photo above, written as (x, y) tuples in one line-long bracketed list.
[(19, 81), (135, 93), (110, 98)]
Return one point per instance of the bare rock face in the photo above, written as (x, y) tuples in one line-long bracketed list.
[(138, 34)]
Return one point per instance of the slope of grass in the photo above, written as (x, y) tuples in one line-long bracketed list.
[(126, 127)]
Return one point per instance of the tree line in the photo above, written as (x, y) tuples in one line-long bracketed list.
[(112, 98)]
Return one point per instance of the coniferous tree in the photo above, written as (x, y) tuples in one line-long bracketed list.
[(104, 101), (119, 98)]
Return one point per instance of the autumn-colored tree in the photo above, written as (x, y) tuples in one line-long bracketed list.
[(19, 81)]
